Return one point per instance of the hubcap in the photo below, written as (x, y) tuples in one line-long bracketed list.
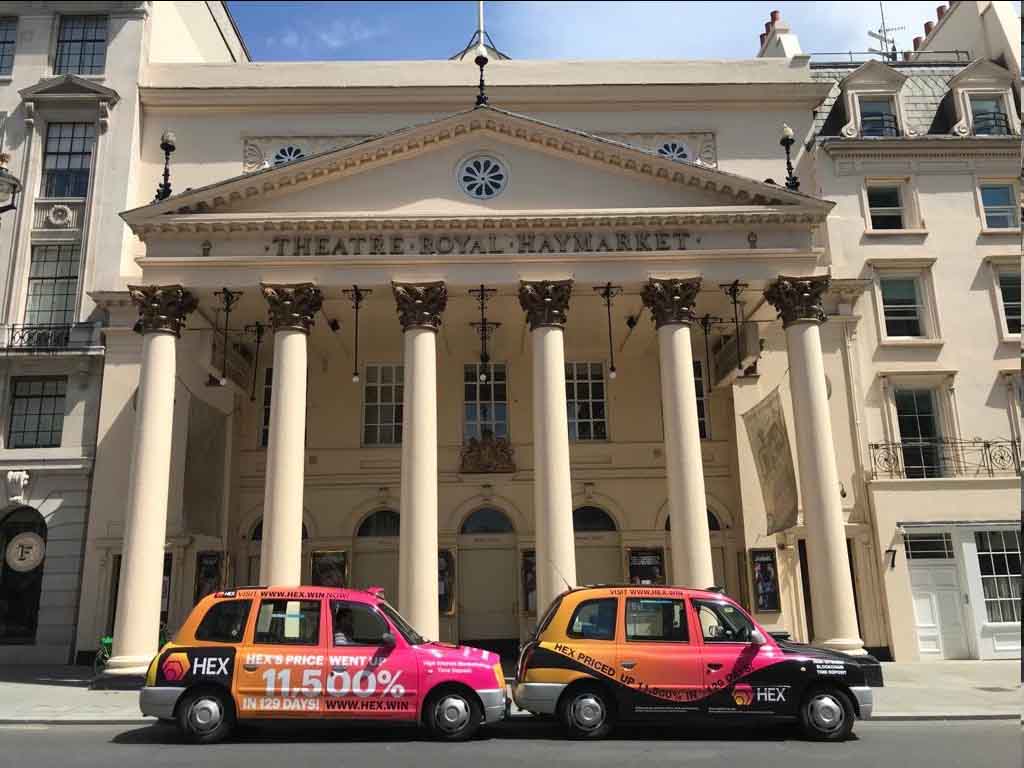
[(826, 712), (205, 714), (588, 711), (452, 714)]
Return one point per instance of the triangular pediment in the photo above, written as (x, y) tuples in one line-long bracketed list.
[(69, 88), (982, 72), (874, 74), (414, 172)]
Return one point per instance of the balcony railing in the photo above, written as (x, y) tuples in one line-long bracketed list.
[(48, 338), (938, 457), (879, 125), (991, 124)]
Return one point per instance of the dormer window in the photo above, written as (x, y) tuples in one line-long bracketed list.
[(988, 116), (878, 116)]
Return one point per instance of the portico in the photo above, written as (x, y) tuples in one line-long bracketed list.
[(570, 213)]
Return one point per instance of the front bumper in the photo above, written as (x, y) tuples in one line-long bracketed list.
[(539, 698), (865, 701), (494, 704), (159, 702)]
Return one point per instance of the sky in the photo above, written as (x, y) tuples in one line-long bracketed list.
[(577, 29)]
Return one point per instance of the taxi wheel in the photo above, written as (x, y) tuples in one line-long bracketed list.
[(588, 713), (206, 716), (827, 714), (453, 715)]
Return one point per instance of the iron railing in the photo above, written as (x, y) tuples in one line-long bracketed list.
[(47, 338), (879, 125), (939, 457), (991, 124)]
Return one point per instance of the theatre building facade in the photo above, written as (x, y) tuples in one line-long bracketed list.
[(380, 328)]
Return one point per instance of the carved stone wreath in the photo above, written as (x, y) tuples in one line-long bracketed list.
[(59, 215)]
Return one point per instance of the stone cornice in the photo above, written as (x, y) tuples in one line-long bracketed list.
[(512, 128), (255, 224), (926, 147)]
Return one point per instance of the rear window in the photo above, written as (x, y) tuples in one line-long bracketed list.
[(594, 619), (224, 622), (548, 616), (288, 622)]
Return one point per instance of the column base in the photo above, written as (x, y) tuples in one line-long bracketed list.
[(122, 673), (852, 646)]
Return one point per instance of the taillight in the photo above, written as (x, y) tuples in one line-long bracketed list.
[(524, 659)]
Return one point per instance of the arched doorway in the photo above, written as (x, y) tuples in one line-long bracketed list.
[(717, 551), (23, 549), (375, 555), (598, 549), (487, 580), (253, 553)]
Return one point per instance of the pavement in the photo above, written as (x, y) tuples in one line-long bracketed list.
[(947, 690), (516, 743)]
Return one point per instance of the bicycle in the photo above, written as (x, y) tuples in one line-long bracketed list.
[(106, 648)]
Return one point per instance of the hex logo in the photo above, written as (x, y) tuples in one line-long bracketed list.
[(742, 695), (175, 667)]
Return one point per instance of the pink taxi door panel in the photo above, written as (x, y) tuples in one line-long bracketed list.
[(368, 679), (727, 653), (658, 653)]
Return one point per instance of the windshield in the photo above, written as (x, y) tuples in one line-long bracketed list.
[(411, 635)]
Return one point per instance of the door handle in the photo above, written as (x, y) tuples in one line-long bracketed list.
[(712, 667), (250, 667), (628, 664)]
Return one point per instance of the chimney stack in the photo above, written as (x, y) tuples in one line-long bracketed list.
[(775, 16), (941, 11), (928, 26), (906, 55), (763, 36), (917, 42)]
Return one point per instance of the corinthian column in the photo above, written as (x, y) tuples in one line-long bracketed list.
[(162, 312), (419, 311), (671, 303), (546, 303), (291, 311), (798, 301)]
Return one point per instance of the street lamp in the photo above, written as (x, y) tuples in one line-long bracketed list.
[(10, 186), (786, 142), (168, 143)]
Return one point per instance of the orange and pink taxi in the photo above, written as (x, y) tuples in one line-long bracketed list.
[(338, 654)]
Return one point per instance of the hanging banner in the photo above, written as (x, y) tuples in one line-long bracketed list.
[(769, 442)]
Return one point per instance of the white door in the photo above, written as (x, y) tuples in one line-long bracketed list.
[(487, 592), (938, 611)]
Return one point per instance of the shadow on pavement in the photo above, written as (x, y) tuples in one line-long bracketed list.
[(28, 674), (510, 730)]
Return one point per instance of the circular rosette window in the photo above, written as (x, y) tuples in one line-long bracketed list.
[(288, 154), (482, 177), (674, 150)]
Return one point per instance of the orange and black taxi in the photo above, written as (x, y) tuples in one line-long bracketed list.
[(317, 652), (602, 654)]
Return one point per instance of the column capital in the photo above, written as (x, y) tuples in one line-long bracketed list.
[(292, 306), (545, 302), (162, 308), (798, 299), (420, 305), (672, 300)]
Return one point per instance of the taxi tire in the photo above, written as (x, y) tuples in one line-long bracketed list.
[(465, 732), (216, 734), (572, 696), (812, 728)]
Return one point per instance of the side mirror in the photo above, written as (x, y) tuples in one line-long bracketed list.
[(389, 640), (756, 637)]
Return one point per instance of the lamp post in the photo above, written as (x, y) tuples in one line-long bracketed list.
[(786, 142), (168, 143), (10, 186)]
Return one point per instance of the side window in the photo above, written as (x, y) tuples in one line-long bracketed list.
[(288, 622), (656, 620), (594, 619), (356, 624), (224, 622), (722, 622)]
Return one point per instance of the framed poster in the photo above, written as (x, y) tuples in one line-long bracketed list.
[(765, 572), (209, 566), (647, 566), (165, 589), (446, 582), (329, 568), (528, 581)]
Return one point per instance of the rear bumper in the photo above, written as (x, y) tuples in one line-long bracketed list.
[(494, 704), (865, 701), (539, 698), (159, 702)]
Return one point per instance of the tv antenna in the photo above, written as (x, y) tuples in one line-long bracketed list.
[(886, 43)]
